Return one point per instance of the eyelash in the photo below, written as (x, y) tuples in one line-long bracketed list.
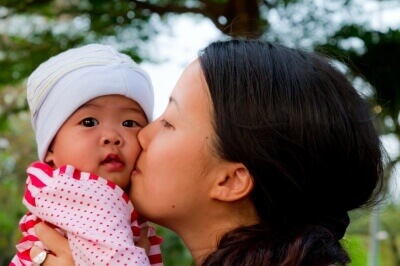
[(87, 120), (165, 124), (136, 124)]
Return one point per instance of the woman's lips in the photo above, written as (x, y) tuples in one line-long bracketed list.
[(135, 171)]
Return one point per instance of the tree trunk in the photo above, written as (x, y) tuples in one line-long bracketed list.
[(236, 18)]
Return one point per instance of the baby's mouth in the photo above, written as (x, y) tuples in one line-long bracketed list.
[(113, 162)]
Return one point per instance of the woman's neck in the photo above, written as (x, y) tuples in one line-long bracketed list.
[(201, 236), (203, 240)]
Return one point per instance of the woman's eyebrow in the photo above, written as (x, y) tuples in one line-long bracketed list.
[(173, 100)]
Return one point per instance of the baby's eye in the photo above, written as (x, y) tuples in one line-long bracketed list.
[(130, 123), (89, 122)]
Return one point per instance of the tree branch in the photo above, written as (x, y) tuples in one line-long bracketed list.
[(213, 11), (169, 8), (268, 4), (209, 12)]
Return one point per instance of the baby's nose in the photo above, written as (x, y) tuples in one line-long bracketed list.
[(115, 142), (112, 139)]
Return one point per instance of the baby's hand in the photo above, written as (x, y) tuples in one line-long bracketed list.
[(144, 241)]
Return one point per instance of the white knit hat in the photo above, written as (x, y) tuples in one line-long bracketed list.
[(66, 81)]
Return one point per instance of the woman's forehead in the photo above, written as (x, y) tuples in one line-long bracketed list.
[(190, 99), (191, 90)]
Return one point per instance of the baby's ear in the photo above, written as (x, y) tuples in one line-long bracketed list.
[(49, 157), (234, 182)]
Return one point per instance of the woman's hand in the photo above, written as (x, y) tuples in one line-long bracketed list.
[(144, 241), (58, 245)]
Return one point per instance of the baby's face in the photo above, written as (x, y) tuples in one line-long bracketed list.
[(101, 138)]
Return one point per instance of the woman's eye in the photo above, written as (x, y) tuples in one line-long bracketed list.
[(130, 123), (89, 122), (164, 123)]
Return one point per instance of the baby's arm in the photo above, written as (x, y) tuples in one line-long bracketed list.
[(26, 225), (29, 239), (95, 213)]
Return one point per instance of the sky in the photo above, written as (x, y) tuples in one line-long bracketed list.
[(180, 46)]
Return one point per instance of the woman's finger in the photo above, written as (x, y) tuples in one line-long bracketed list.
[(56, 243), (50, 259), (144, 241)]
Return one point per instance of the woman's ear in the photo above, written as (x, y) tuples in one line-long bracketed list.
[(233, 182)]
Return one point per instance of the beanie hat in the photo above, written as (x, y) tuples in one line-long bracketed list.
[(60, 85)]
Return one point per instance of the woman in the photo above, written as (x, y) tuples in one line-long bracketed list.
[(257, 159)]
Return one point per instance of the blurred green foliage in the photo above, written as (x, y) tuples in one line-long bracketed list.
[(357, 249), (17, 148), (173, 250), (377, 62)]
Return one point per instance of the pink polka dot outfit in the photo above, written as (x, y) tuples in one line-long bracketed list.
[(94, 214)]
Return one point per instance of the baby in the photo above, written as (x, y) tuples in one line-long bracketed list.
[(87, 106)]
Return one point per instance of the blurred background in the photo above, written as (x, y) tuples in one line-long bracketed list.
[(361, 36)]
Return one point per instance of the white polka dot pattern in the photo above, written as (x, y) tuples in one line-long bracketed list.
[(97, 216)]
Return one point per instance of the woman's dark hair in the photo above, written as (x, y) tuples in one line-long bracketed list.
[(309, 142)]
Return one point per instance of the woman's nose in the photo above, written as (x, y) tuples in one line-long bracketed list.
[(145, 135)]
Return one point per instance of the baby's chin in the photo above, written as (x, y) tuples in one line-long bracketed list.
[(120, 179), (124, 184)]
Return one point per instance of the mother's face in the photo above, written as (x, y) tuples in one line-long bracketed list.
[(175, 169)]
